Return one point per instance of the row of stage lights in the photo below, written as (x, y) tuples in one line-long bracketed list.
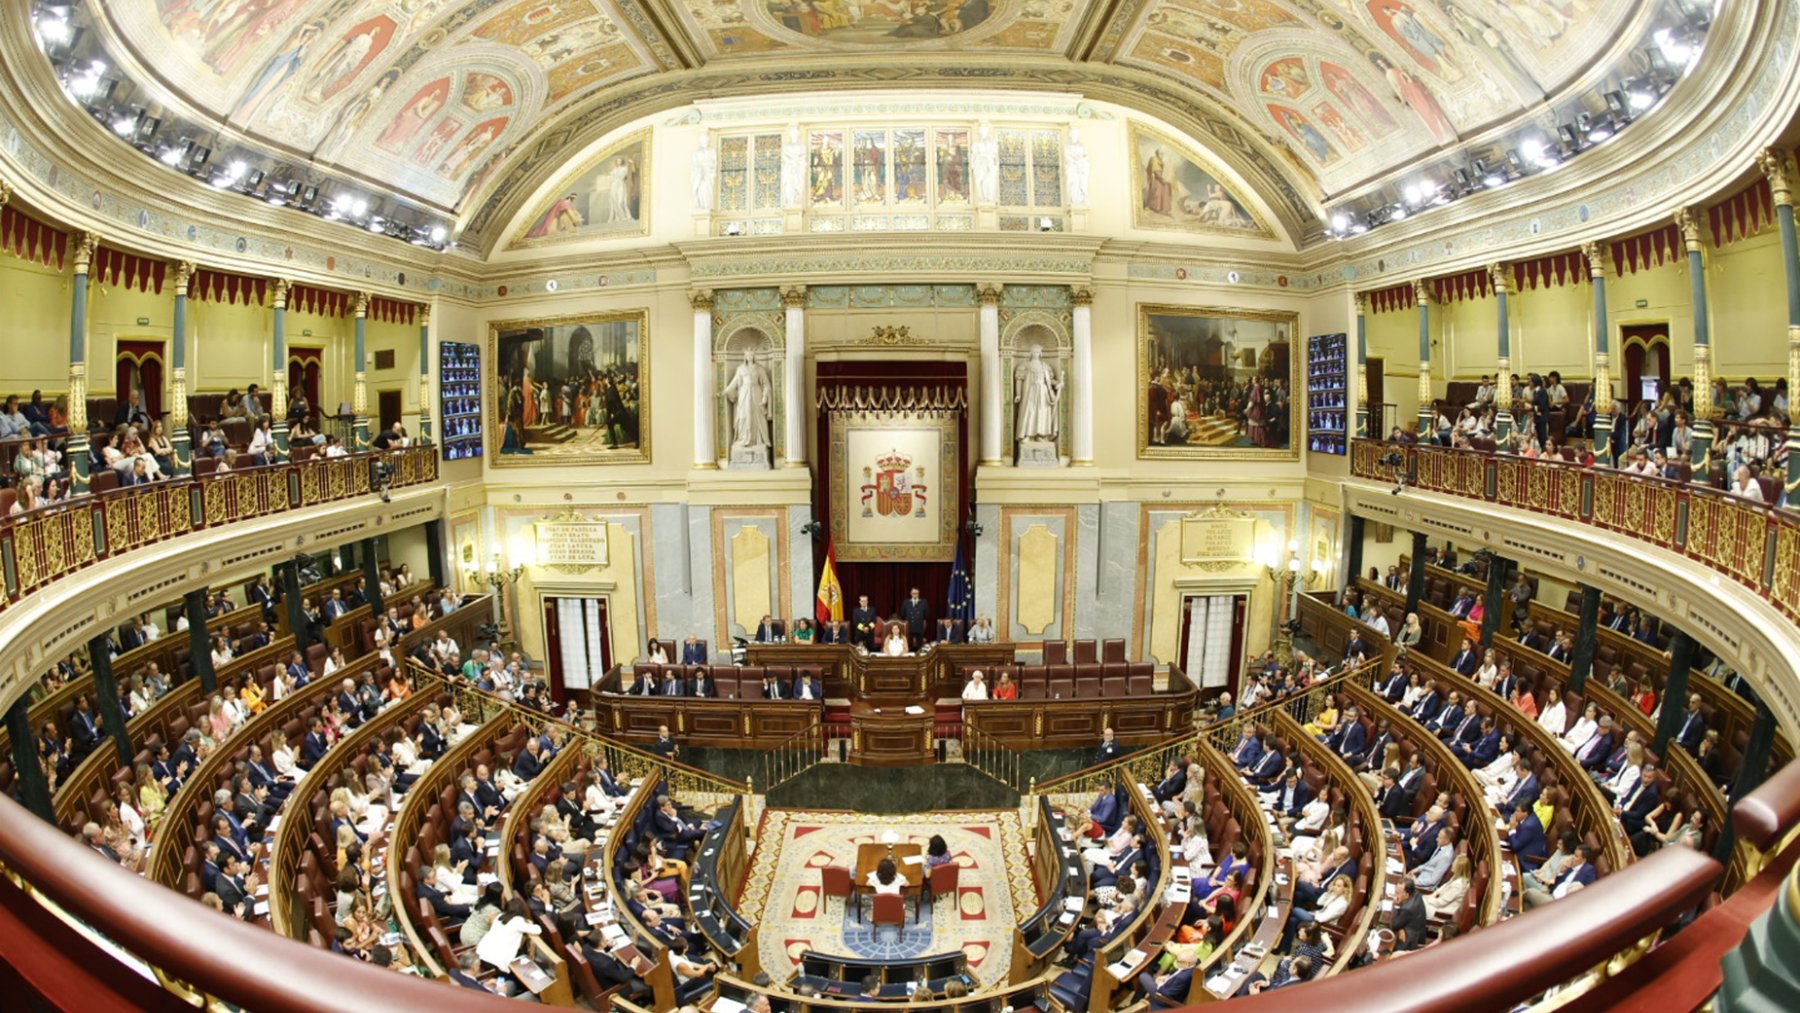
[(90, 84), (1669, 56)]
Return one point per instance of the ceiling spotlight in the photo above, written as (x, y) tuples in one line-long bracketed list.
[(1595, 128), (438, 233), (377, 223), (53, 29), (126, 125), (1358, 228), (1396, 212), (1340, 221), (1674, 48), (1463, 182)]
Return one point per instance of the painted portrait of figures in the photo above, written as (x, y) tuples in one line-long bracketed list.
[(1215, 382), (879, 21), (1176, 192), (572, 390), (605, 198)]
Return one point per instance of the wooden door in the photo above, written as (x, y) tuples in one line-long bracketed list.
[(1378, 423), (387, 408), (1646, 350)]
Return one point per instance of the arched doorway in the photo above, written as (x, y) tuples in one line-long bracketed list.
[(305, 372), (1646, 350), (139, 367)]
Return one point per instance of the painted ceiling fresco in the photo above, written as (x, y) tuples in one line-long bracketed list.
[(437, 97)]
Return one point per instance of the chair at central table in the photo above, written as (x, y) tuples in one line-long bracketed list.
[(912, 873)]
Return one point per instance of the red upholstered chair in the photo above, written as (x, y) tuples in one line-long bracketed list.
[(1087, 683), (834, 881), (1056, 652), (1062, 682), (1033, 682), (1112, 650), (889, 909), (941, 883), (1086, 652), (1140, 678)]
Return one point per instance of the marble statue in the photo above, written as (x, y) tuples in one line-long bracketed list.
[(984, 160), (706, 166), (793, 169), (1036, 390), (750, 398), (1075, 168)]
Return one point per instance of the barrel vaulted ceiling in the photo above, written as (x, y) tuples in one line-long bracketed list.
[(465, 104)]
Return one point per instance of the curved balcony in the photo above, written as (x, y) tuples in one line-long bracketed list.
[(76, 931)]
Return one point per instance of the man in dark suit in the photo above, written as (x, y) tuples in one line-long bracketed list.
[(1563, 649), (489, 799), (1693, 725), (1170, 990), (312, 748), (863, 621), (1580, 872), (1350, 736), (806, 689), (1249, 749), (1420, 839), (665, 746), (768, 632), (645, 684), (1483, 750), (672, 684), (1593, 754), (603, 776), (700, 685), (676, 833), (1409, 916), (947, 633), (1464, 604), (1109, 746), (1269, 769), (693, 652), (772, 688), (528, 765), (334, 606), (1466, 661), (84, 734), (439, 904), (1391, 801), (1505, 683), (1174, 780), (1354, 648), (1635, 807), (834, 632), (1394, 688), (1429, 704), (917, 614), (1295, 793), (1448, 719), (131, 636), (1525, 837), (1525, 791), (258, 596), (235, 888)]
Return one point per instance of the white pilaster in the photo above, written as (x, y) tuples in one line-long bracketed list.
[(705, 452), (1081, 379), (991, 388), (795, 414)]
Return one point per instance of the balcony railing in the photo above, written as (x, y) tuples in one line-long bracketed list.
[(42, 546), (1749, 542)]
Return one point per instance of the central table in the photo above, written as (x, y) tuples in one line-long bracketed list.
[(870, 853)]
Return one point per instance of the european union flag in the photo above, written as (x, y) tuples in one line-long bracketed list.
[(960, 603)]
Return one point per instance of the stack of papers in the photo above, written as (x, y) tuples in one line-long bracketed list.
[(725, 1005), (908, 860), (1074, 904), (1068, 918), (915, 709)]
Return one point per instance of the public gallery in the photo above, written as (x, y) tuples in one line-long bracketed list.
[(829, 506)]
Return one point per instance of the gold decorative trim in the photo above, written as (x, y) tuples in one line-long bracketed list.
[(1136, 134), (701, 300), (1003, 620), (1497, 276), (1082, 296), (280, 292), (1774, 165), (1421, 293), (497, 410), (1595, 255), (988, 294), (1147, 452), (783, 575), (520, 241), (890, 399), (84, 251), (1689, 224), (893, 336), (794, 296)]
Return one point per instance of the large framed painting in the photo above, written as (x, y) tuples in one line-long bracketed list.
[(606, 198), (1216, 383), (894, 490), (1174, 190), (571, 390)]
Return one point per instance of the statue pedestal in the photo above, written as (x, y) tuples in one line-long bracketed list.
[(749, 457), (1037, 454)]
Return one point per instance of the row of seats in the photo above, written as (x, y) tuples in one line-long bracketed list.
[(1080, 681)]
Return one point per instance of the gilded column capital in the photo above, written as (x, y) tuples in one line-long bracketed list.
[(84, 251), (701, 299), (1497, 276), (1595, 255), (1774, 165), (1689, 224), (1362, 304), (1421, 293), (184, 274), (1082, 295), (988, 293), (5, 192), (794, 297), (362, 304), (281, 293)]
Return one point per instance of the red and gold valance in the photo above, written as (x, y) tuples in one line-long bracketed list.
[(1652, 249), (223, 286), (393, 311), (1467, 285), (116, 267), (1396, 297), (323, 301), (1549, 272), (27, 238)]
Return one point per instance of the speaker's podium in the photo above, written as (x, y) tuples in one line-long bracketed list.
[(890, 736)]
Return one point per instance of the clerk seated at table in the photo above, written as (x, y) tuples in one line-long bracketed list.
[(895, 644), (886, 878)]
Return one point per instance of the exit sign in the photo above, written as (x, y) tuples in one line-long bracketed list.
[(1643, 303), (143, 321)]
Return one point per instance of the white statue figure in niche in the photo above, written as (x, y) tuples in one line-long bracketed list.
[(1075, 168), (984, 160), (706, 166), (793, 169), (750, 398), (1037, 388)]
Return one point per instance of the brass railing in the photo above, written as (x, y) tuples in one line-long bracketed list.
[(795, 755), (994, 758)]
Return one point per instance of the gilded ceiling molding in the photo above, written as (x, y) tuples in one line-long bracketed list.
[(1776, 165)]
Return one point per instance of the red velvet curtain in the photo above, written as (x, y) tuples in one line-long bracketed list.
[(139, 366), (887, 583)]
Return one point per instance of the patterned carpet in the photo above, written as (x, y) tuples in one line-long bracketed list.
[(781, 894)]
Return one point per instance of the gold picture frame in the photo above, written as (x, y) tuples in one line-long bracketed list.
[(1232, 431), (855, 485), (507, 449)]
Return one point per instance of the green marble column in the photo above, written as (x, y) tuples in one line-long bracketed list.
[(107, 706), (1362, 365), (1503, 396), (1581, 662), (1674, 691), (288, 574), (1779, 168), (28, 774), (1763, 973), (200, 665), (424, 377), (1426, 416), (1689, 224), (1415, 580), (1493, 602), (1603, 392), (359, 400), (179, 437), (75, 452), (278, 384), (371, 568)]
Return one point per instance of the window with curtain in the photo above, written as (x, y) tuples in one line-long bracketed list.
[(583, 651), (1210, 620)]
